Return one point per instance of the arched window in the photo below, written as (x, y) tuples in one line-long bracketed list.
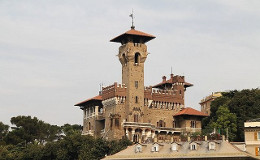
[(136, 99), (137, 58), (124, 59), (161, 123)]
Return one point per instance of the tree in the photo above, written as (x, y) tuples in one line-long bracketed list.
[(69, 129), (30, 129), (226, 121), (244, 104), (3, 131)]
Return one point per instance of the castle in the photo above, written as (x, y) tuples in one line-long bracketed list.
[(135, 111)]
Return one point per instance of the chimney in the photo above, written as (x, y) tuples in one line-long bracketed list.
[(171, 138), (188, 138), (164, 79), (206, 138), (171, 76)]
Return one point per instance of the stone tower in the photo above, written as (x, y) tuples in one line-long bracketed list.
[(132, 55)]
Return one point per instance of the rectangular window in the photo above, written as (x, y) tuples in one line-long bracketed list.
[(193, 124), (193, 147), (135, 118), (258, 136), (257, 150), (117, 122), (136, 84)]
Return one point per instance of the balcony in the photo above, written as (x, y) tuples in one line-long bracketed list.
[(139, 125), (150, 126), (160, 129)]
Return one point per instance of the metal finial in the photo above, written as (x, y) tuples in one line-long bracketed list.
[(132, 16)]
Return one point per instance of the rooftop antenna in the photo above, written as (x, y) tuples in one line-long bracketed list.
[(171, 69), (100, 88), (132, 16)]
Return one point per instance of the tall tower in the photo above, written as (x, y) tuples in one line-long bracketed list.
[(132, 55)]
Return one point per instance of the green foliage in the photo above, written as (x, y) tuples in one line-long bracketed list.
[(71, 129), (243, 104), (30, 129), (3, 132), (225, 121), (33, 139)]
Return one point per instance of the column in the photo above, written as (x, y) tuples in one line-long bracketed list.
[(133, 133), (96, 110), (84, 113), (127, 133)]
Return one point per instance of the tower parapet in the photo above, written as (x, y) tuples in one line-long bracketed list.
[(115, 90)]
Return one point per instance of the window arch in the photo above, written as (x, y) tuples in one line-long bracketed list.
[(161, 123), (136, 99), (137, 58)]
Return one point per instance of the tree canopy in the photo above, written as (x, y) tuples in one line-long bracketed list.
[(33, 139), (231, 110)]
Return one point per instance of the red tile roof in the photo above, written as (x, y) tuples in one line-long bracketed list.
[(190, 111), (96, 98), (170, 81), (146, 37), (139, 33)]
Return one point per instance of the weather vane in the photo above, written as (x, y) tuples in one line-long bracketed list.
[(132, 16)]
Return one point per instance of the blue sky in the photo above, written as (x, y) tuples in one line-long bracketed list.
[(54, 54)]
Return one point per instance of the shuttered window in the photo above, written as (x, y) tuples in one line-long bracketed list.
[(255, 135), (257, 149)]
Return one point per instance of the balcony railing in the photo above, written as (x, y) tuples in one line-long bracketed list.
[(150, 126)]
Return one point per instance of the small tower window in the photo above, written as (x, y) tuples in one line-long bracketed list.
[(136, 99), (137, 58), (124, 59), (136, 84)]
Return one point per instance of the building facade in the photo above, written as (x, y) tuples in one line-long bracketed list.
[(133, 110), (252, 137), (206, 102)]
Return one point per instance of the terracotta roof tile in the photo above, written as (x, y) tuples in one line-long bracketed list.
[(190, 111), (139, 33), (135, 33), (170, 81), (96, 98)]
